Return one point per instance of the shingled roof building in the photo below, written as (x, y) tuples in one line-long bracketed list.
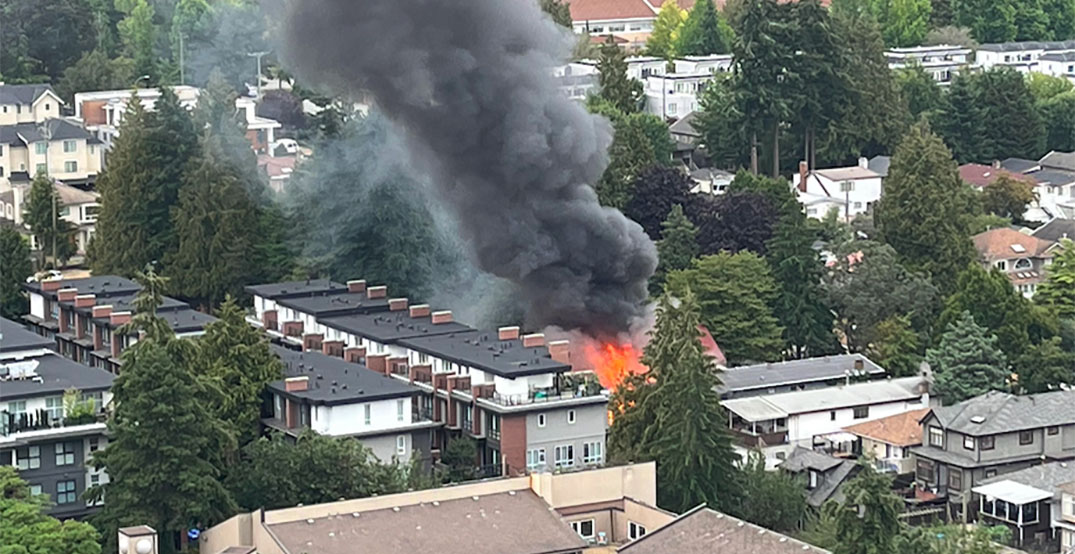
[(706, 531), (796, 375)]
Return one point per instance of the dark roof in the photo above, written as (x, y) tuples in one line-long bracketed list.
[(1052, 176), (26, 133), (186, 321), (1000, 412), (337, 381), (802, 459), (15, 338), (385, 327), (685, 126), (58, 374), (705, 531), (23, 94), (1027, 45), (330, 303), (483, 350), (125, 303), (879, 165), (1056, 229), (1059, 160), (1047, 477), (833, 473), (291, 289), (1058, 57), (826, 368), (101, 285), (1019, 165)]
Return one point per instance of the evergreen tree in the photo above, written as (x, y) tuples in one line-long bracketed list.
[(1059, 115), (16, 267), (989, 297), (661, 42), (962, 122), (677, 247), (1007, 197), (772, 499), (867, 521), (1057, 292), (704, 32), (736, 293), (721, 123), (923, 95), (630, 155), (121, 243), (896, 347), (824, 84), (1031, 21), (1045, 367), (924, 212), (990, 20), (558, 10), (42, 211), (25, 528), (967, 362), (170, 143), (616, 87), (1060, 15), (1015, 127)]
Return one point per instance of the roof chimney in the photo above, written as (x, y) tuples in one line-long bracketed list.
[(560, 351), (357, 286), (533, 339), (397, 304), (864, 163), (51, 285), (138, 540), (804, 172), (119, 318), (377, 292), (420, 310), (508, 333), (859, 364), (66, 295), (102, 311), (996, 164), (297, 384), (443, 316), (85, 300)]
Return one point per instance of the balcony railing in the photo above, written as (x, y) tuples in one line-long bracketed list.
[(422, 414), (493, 434), (467, 424), (11, 423), (760, 440)]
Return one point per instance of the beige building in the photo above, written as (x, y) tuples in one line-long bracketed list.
[(587, 511), (80, 209), (1067, 518)]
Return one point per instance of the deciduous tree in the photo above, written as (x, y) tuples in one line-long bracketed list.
[(1059, 115), (95, 70), (967, 362), (990, 20), (559, 11), (772, 499), (989, 297), (867, 521), (661, 42), (42, 213), (704, 32), (1045, 367), (923, 95), (656, 192), (25, 528), (1008, 197), (903, 22), (896, 346), (735, 221)]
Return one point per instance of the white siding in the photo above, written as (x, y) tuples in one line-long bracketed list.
[(350, 418)]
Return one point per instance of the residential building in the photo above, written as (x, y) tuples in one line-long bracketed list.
[(980, 176), (628, 20), (705, 531), (888, 441), (712, 64), (577, 80), (1021, 56), (1058, 64), (1054, 175), (543, 513), (1066, 521), (943, 62), (1021, 256), (711, 181), (1028, 502), (989, 435), (1055, 230), (777, 423), (49, 446), (84, 315), (797, 375), (80, 208), (852, 190), (879, 165), (823, 475), (683, 129), (334, 397), (674, 95)]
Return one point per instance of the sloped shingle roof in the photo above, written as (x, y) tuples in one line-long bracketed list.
[(901, 429), (706, 531), (996, 244), (1001, 412)]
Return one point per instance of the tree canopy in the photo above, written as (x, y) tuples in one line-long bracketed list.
[(967, 362), (26, 529), (15, 252)]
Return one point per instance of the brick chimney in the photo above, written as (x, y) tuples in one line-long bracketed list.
[(859, 364), (66, 295), (85, 300), (297, 384), (51, 285), (560, 351), (138, 540), (996, 164), (357, 286), (508, 333), (354, 354), (420, 310), (804, 172), (443, 316), (119, 318), (102, 311), (397, 304), (378, 363), (533, 340), (377, 292), (312, 342)]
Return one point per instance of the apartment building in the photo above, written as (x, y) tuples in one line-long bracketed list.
[(944, 62), (775, 424), (543, 513), (1058, 64), (334, 397), (990, 435), (84, 315), (50, 441), (1021, 56), (1028, 502), (797, 375)]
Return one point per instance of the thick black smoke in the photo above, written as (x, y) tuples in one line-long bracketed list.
[(469, 83)]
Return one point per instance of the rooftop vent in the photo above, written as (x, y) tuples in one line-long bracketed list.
[(19, 370), (977, 419), (1018, 248)]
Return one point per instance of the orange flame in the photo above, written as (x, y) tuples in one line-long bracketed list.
[(613, 363)]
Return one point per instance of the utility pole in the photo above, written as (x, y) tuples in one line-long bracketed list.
[(182, 67), (257, 78), (46, 133)]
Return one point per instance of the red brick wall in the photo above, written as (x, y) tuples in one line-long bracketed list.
[(513, 442)]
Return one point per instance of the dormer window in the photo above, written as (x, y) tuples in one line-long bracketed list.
[(1022, 264), (936, 437)]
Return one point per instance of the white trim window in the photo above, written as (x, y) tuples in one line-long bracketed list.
[(541, 420), (367, 414), (401, 445), (535, 459), (936, 436), (564, 455), (399, 410), (592, 452), (635, 531), (54, 407), (571, 417), (584, 528)]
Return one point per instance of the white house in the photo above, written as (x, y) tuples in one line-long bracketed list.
[(80, 209), (716, 63), (777, 423), (1058, 64), (1021, 56), (853, 190), (943, 62)]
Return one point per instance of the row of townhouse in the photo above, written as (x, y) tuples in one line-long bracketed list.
[(50, 442), (437, 379), (83, 317), (1055, 58)]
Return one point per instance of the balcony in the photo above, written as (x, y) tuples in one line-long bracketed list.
[(567, 387), (11, 423), (422, 414), (760, 440)]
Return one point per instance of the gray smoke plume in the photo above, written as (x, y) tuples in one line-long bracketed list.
[(469, 83)]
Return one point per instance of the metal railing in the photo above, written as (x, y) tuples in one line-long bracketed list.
[(11, 423)]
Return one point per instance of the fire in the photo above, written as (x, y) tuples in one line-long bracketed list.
[(613, 362)]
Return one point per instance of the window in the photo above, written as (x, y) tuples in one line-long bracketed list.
[(968, 443), (41, 148), (592, 452), (65, 492), (858, 205), (399, 410), (1026, 437), (94, 444), (423, 358), (54, 407), (17, 408), (936, 437), (564, 456), (584, 528), (955, 479), (535, 458), (1052, 430), (672, 108), (986, 443), (813, 479), (367, 415), (862, 412), (847, 186), (70, 166), (832, 415), (69, 146), (635, 531), (924, 470), (990, 473), (28, 458), (65, 453), (1022, 263), (35, 490), (571, 416), (278, 406), (541, 420), (401, 445), (1002, 265)]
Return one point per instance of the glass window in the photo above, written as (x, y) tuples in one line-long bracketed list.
[(95, 444), (1026, 437), (54, 407), (40, 168), (401, 445), (367, 414), (936, 437), (584, 528), (35, 490), (70, 166), (399, 410), (635, 531), (535, 458), (65, 453), (813, 480), (41, 148), (968, 443), (65, 492), (990, 473), (986, 443), (1002, 265), (955, 479), (571, 416), (28, 458), (541, 420), (564, 456), (832, 415), (924, 470), (1055, 429), (862, 412), (1030, 512), (17, 408), (69, 146), (592, 452)]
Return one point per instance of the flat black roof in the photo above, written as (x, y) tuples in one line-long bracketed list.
[(125, 303), (58, 374), (336, 381), (331, 303), (292, 289), (101, 285), (483, 350), (15, 338), (823, 368), (186, 321), (386, 327)]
